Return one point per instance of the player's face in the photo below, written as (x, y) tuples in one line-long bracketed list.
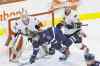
[(25, 20)]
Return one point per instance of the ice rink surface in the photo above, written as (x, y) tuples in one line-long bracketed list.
[(76, 57)]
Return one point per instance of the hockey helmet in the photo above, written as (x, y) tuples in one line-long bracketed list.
[(25, 18)]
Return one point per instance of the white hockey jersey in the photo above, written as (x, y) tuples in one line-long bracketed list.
[(21, 26), (73, 17)]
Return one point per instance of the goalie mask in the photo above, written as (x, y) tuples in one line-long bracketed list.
[(25, 19)]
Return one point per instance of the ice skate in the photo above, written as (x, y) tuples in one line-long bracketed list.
[(32, 59), (66, 54)]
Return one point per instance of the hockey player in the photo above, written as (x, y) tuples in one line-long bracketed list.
[(35, 37), (72, 28), (47, 36), (24, 27), (90, 60)]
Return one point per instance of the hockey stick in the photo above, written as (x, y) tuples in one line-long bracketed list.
[(53, 27), (84, 25)]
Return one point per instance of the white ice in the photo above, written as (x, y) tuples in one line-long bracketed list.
[(76, 57)]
